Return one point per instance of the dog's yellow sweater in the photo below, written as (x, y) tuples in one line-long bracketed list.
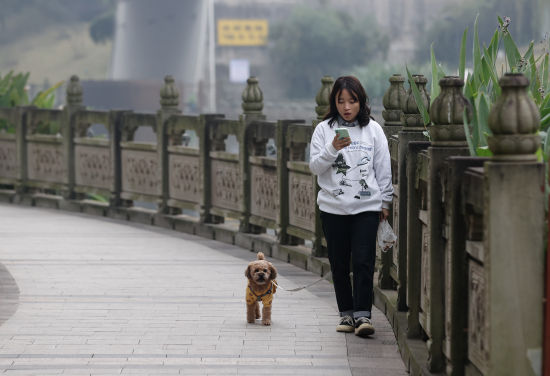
[(266, 296)]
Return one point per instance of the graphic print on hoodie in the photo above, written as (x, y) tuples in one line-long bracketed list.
[(354, 176)]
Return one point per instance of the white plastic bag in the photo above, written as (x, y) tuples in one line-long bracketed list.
[(386, 237)]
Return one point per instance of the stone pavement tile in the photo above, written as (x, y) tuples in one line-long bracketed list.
[(278, 351), (182, 362), (361, 371), (5, 362), (143, 372), (377, 363), (155, 349), (377, 351), (33, 372), (293, 370)]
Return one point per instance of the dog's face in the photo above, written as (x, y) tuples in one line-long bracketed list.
[(260, 272)]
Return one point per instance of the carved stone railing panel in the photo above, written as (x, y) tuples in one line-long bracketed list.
[(264, 200), (184, 177), (478, 345), (226, 185), (133, 121), (478, 318), (301, 201), (84, 120), (8, 158), (185, 159), (93, 166), (395, 249), (393, 144), (140, 172), (425, 274), (46, 161)]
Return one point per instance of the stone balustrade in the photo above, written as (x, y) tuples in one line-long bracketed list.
[(463, 287)]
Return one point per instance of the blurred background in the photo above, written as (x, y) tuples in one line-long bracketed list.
[(121, 50)]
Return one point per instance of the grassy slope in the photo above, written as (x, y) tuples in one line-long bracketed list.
[(57, 53)]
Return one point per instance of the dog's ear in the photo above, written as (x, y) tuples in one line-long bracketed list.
[(273, 271), (247, 272)]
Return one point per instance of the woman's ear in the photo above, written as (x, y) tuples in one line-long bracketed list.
[(273, 271)]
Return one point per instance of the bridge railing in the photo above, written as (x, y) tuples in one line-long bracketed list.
[(463, 287)]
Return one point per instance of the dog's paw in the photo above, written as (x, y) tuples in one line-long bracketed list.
[(251, 321), (266, 322)]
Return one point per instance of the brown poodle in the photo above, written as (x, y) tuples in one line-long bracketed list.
[(261, 274)]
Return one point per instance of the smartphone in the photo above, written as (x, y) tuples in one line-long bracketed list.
[(342, 133)]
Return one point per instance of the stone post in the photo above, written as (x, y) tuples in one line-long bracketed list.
[(413, 127), (393, 100), (322, 97), (253, 100), (21, 147), (73, 104), (115, 120), (448, 139), (252, 106), (169, 101), (411, 117), (514, 228), (323, 105), (206, 144), (447, 113)]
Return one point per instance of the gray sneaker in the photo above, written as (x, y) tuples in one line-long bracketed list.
[(363, 327), (346, 325)]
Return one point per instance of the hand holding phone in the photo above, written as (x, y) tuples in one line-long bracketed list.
[(342, 133), (341, 139)]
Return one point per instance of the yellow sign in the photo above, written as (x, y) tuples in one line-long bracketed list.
[(243, 32)]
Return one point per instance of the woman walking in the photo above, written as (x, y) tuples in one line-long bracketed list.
[(354, 176)]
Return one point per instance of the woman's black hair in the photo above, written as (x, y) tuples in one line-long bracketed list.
[(356, 90)]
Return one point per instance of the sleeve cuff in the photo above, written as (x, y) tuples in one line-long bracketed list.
[(386, 205), (332, 150)]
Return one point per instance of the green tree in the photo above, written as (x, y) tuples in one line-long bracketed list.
[(13, 93), (445, 32), (313, 43)]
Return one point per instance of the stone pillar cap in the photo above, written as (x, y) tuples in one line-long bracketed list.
[(397, 78), (451, 81), (513, 79), (419, 78)]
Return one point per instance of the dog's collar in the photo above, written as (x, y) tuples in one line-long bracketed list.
[(259, 297)]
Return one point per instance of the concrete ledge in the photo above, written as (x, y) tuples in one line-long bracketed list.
[(118, 213), (244, 241), (319, 265), (414, 352), (23, 199), (43, 200), (205, 230), (296, 255), (223, 233), (94, 207), (70, 205), (141, 215), (164, 221), (184, 223), (262, 243), (7, 195)]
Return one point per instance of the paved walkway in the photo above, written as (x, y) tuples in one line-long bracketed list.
[(83, 295)]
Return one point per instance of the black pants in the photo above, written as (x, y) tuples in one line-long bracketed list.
[(352, 237)]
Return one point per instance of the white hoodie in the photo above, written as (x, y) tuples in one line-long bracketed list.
[(356, 178)]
